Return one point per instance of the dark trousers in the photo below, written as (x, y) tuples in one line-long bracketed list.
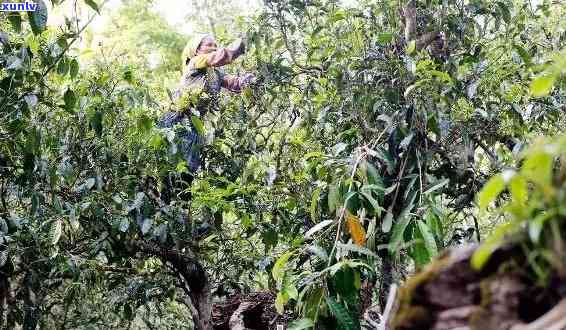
[(177, 185)]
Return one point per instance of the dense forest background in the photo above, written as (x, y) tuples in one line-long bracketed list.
[(379, 134)]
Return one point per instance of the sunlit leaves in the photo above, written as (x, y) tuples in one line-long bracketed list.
[(490, 191), (542, 85)]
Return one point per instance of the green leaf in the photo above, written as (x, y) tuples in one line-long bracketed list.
[(73, 68), (542, 85), (70, 99), (387, 222), (55, 231), (16, 21), (333, 198), (418, 251), (314, 205), (428, 237), (300, 324), (437, 185), (372, 175), (519, 189), (374, 204), (38, 18), (292, 291), (536, 225), (345, 321), (281, 301), (318, 227), (198, 125), (63, 67), (490, 191), (385, 38), (92, 5), (278, 270), (538, 168), (356, 248), (398, 232), (411, 46), (525, 56), (483, 253)]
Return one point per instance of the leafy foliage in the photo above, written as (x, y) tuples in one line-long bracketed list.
[(352, 162)]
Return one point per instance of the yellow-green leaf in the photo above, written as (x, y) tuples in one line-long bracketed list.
[(490, 191), (314, 205), (518, 188), (538, 168), (542, 85), (411, 46), (198, 124)]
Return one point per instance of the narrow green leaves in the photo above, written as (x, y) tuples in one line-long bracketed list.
[(345, 320)]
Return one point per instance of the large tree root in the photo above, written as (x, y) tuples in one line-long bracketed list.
[(449, 294), (254, 311)]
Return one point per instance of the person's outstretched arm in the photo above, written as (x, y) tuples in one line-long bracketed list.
[(218, 57)]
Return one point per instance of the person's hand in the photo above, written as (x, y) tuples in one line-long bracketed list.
[(238, 46), (248, 79)]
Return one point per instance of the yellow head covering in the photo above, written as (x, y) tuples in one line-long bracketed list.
[(191, 48)]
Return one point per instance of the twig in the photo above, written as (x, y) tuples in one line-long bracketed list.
[(54, 64), (391, 299)]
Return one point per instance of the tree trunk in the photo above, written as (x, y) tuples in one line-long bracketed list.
[(197, 286)]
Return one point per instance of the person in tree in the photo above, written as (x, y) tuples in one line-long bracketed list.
[(197, 94)]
